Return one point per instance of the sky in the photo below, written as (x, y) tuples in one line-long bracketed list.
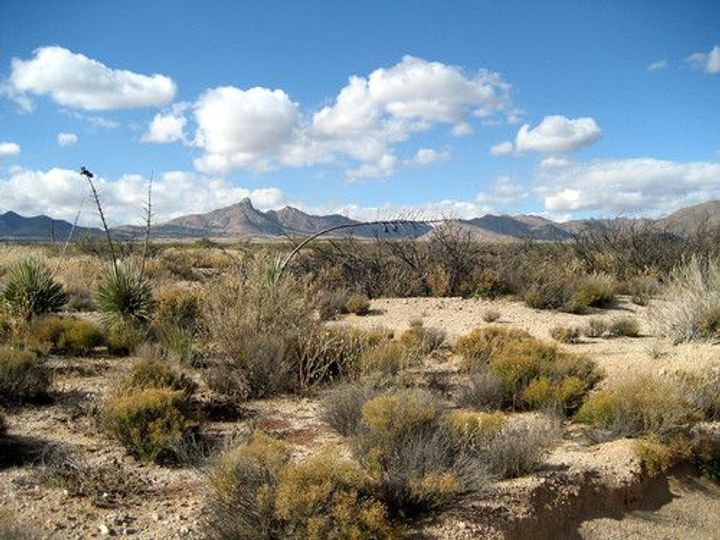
[(565, 109)]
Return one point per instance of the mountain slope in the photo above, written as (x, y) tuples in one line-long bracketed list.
[(39, 228)]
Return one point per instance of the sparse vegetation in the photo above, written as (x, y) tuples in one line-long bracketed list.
[(23, 376), (565, 334), (357, 303)]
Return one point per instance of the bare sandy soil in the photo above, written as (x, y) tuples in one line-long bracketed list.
[(582, 491)]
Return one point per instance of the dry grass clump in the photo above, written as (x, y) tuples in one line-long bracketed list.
[(491, 315), (639, 406), (531, 373), (555, 288), (179, 306), (70, 336), (388, 358), (23, 376), (258, 493), (484, 391), (358, 303), (152, 424), (566, 334), (422, 340), (617, 327), (331, 302), (641, 288), (690, 306), (702, 389)]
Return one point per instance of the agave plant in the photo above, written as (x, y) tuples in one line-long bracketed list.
[(125, 296), (32, 290)]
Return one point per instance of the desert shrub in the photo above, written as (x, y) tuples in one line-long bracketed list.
[(124, 338), (702, 390), (420, 463), (66, 335), (592, 290), (387, 358), (490, 315), (227, 380), (534, 374), (177, 343), (624, 327), (438, 281), (342, 407), (179, 306), (688, 301), (658, 456), (152, 373), (477, 347), (484, 391), (641, 288), (597, 327), (639, 406), (422, 340), (331, 302), (548, 292), (709, 323), (357, 303), (31, 289), (125, 296), (565, 334), (256, 492), (151, 423), (23, 376)]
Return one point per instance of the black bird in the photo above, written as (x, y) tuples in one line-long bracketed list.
[(85, 172)]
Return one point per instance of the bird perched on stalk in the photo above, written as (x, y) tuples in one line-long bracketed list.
[(85, 172)]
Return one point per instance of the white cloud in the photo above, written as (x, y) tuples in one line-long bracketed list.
[(66, 139), (9, 149), (658, 65), (243, 128), (554, 134), (708, 62), (262, 129), (503, 192), (637, 185), (168, 126), (428, 156), (502, 149), (74, 80), (388, 164), (176, 193)]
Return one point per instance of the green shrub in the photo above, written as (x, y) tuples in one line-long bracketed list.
[(124, 296), (256, 492), (639, 406), (152, 423), (594, 290), (151, 373), (357, 303), (658, 456), (32, 290), (67, 335), (23, 376), (422, 340)]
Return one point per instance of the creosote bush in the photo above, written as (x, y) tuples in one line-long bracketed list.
[(153, 373), (179, 306), (152, 423), (31, 289), (422, 340), (23, 376), (565, 334)]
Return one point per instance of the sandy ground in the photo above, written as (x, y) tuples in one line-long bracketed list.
[(595, 491)]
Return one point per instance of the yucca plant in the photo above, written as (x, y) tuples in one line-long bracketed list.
[(125, 296), (32, 290)]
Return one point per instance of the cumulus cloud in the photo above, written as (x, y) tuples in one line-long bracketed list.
[(243, 128), (76, 81), (389, 164), (625, 186), (9, 149), (657, 65), (66, 139), (175, 193), (708, 62), (554, 134), (261, 128), (168, 126), (503, 192)]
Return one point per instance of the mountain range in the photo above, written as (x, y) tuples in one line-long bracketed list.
[(243, 221)]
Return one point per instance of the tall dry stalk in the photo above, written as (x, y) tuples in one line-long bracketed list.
[(89, 176)]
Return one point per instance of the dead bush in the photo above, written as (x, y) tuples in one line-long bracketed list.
[(422, 340), (23, 376), (357, 303), (342, 408), (491, 315), (565, 334), (484, 391)]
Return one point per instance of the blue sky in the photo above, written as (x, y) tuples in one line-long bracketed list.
[(565, 109)]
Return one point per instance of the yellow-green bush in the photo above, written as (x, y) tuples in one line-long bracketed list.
[(178, 305), (152, 423), (258, 492), (422, 340), (23, 376), (658, 456), (357, 303), (477, 347), (151, 373), (641, 405), (386, 358), (69, 336)]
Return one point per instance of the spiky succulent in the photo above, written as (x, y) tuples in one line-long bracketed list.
[(125, 296), (32, 290)]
